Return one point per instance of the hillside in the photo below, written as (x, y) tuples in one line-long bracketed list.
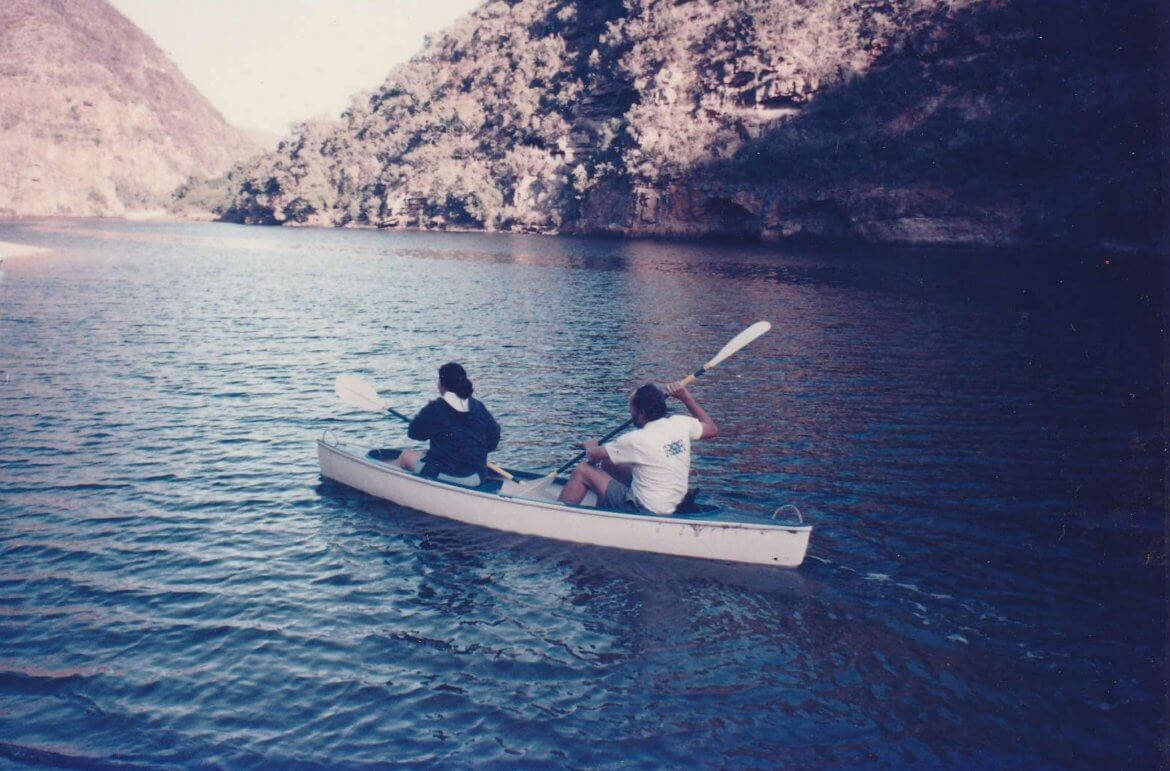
[(94, 119), (954, 121)]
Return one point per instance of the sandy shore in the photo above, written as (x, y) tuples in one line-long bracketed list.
[(9, 249)]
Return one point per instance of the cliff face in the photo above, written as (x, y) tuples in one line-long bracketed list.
[(953, 121), (94, 119), (971, 122)]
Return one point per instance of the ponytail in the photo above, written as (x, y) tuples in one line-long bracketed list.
[(454, 379)]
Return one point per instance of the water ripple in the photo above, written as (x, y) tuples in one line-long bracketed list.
[(179, 587)]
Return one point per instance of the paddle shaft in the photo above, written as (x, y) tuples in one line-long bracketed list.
[(686, 381), (398, 414), (603, 440)]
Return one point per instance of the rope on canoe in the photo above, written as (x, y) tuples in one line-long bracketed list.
[(792, 506)]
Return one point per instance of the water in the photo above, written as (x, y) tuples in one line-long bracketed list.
[(976, 438)]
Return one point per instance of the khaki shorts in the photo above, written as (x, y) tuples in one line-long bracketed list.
[(618, 496)]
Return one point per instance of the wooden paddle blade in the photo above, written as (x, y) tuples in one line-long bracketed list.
[(359, 392), (500, 471), (738, 342)]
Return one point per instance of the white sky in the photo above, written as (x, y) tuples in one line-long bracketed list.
[(268, 63)]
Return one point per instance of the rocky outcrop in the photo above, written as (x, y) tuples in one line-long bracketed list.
[(969, 122), (94, 119), (964, 121)]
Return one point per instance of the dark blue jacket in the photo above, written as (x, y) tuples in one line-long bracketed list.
[(460, 441)]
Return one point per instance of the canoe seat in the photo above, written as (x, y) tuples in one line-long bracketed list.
[(690, 503), (690, 506)]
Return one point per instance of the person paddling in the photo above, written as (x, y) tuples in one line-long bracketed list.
[(460, 430), (647, 469)]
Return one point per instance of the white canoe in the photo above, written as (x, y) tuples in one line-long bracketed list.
[(532, 509)]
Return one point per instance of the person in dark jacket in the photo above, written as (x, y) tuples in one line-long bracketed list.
[(460, 429)]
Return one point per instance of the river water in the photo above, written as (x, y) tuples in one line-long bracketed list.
[(976, 438)]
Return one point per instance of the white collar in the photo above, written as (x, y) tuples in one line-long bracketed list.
[(457, 404)]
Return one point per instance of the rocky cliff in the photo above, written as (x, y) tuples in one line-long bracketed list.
[(945, 121), (94, 119)]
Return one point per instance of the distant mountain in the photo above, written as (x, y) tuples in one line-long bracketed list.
[(919, 121), (94, 119)]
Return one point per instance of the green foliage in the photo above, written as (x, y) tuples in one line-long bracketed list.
[(480, 125), (539, 114), (203, 194)]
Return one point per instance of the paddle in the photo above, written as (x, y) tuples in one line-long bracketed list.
[(359, 392), (734, 345)]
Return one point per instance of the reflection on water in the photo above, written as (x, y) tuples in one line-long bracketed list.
[(975, 437)]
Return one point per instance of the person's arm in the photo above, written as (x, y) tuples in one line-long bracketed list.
[(423, 426), (595, 451), (680, 392), (493, 437)]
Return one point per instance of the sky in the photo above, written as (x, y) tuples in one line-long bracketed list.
[(266, 64)]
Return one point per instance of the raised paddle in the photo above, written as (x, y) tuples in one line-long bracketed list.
[(359, 392), (734, 345)]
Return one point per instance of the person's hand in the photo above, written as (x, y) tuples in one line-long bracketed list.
[(675, 388), (590, 444)]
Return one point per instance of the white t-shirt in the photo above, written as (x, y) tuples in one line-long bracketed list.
[(660, 452)]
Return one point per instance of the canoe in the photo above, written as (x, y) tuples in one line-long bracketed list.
[(528, 505)]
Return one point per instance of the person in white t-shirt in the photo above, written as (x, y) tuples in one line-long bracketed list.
[(647, 469)]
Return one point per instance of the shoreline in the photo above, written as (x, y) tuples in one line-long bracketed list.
[(803, 240)]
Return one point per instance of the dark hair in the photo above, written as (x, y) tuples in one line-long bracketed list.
[(650, 401), (454, 378)]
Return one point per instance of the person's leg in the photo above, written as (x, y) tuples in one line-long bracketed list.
[(408, 460), (584, 478)]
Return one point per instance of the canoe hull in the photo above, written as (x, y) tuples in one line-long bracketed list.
[(763, 544)]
